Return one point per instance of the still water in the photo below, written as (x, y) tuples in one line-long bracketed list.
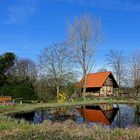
[(112, 116)]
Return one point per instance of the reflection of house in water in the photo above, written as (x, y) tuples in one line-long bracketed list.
[(100, 114), (99, 84)]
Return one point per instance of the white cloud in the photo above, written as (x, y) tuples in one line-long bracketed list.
[(128, 5), (20, 10), (125, 5)]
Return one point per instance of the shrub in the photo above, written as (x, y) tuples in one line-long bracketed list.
[(20, 91)]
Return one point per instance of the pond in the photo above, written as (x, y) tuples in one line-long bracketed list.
[(108, 115)]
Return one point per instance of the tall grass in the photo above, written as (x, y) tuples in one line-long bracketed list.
[(12, 129)]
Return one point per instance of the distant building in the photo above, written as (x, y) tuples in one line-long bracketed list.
[(99, 84), (6, 100)]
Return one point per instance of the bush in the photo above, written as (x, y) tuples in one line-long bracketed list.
[(19, 91)]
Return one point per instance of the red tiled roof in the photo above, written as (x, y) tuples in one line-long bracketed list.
[(95, 79)]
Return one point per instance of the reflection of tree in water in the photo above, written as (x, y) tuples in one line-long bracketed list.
[(40, 116), (106, 107), (137, 116), (60, 114), (125, 117)]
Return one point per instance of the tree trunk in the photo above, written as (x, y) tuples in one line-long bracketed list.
[(83, 95), (84, 86), (137, 91), (57, 91)]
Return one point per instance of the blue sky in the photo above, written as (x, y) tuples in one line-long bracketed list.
[(27, 26)]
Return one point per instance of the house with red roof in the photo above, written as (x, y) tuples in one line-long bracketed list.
[(99, 84)]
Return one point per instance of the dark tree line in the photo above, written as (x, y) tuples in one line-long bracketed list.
[(7, 61), (17, 76), (22, 78)]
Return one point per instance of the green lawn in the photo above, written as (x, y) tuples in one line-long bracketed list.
[(29, 107)]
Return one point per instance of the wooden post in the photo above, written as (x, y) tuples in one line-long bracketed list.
[(13, 103), (4, 103)]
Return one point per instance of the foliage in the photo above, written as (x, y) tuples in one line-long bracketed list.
[(45, 88), (17, 77), (18, 91), (62, 97), (6, 62), (69, 88), (25, 73)]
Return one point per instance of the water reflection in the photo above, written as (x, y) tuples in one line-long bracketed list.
[(54, 115), (137, 115), (104, 114)]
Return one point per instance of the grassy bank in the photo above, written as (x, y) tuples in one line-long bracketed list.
[(11, 129), (30, 107)]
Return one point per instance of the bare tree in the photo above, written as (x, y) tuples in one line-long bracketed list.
[(117, 61), (102, 70), (55, 62), (83, 37), (26, 68), (134, 65)]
